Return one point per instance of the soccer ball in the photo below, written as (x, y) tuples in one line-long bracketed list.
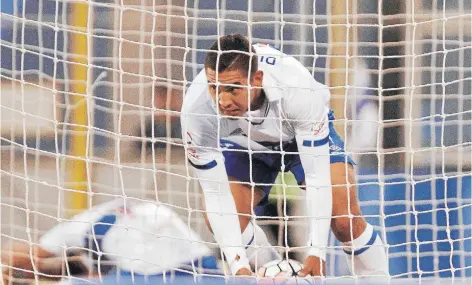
[(280, 269)]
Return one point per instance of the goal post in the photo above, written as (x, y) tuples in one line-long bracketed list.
[(400, 75), (81, 144), (339, 58)]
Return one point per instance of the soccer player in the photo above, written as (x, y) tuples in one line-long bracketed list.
[(142, 238), (251, 113)]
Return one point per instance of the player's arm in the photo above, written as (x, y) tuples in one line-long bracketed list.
[(20, 260), (310, 112), (24, 261), (69, 234), (201, 142), (58, 251)]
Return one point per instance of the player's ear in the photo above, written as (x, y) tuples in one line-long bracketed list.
[(257, 78)]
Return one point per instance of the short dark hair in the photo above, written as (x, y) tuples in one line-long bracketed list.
[(241, 56)]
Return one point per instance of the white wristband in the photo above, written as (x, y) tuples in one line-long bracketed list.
[(243, 262)]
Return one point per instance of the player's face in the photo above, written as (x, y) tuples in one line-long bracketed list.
[(234, 91)]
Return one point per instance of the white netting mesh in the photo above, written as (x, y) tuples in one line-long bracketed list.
[(407, 105)]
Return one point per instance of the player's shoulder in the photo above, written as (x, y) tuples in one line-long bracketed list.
[(266, 49), (273, 59), (147, 208), (97, 211), (311, 93), (143, 215), (287, 74), (286, 70), (197, 98)]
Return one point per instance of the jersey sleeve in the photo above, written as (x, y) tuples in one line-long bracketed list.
[(201, 133), (309, 111), (71, 233)]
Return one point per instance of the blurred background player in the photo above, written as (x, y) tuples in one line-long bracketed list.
[(142, 238), (252, 88)]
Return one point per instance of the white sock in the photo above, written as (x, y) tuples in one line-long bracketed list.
[(366, 254), (258, 249)]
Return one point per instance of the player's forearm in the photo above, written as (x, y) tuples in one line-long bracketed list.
[(222, 214), (319, 204), (19, 259), (316, 164)]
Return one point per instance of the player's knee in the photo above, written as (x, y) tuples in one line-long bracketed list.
[(348, 227), (342, 228), (244, 221)]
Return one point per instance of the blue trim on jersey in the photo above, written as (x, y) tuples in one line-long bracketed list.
[(266, 166), (209, 165), (99, 230), (316, 143), (252, 239), (365, 247)]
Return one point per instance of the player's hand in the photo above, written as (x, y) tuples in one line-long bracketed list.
[(244, 272), (313, 266)]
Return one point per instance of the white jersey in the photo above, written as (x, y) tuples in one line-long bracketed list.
[(296, 105), (296, 108), (141, 237)]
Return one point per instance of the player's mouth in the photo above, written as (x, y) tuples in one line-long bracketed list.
[(234, 112)]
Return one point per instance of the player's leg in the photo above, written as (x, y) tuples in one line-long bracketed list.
[(363, 246), (365, 250), (259, 250), (347, 222), (246, 198)]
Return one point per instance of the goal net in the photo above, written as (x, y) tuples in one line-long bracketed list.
[(90, 103)]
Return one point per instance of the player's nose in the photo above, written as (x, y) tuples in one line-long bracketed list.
[(225, 100)]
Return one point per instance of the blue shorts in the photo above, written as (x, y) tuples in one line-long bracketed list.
[(266, 166)]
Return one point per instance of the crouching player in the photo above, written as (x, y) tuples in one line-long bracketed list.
[(251, 113), (139, 238)]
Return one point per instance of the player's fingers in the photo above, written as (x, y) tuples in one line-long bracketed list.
[(304, 272)]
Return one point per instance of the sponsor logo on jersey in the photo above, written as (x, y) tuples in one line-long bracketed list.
[(191, 151), (335, 149), (189, 139), (226, 144), (318, 127)]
